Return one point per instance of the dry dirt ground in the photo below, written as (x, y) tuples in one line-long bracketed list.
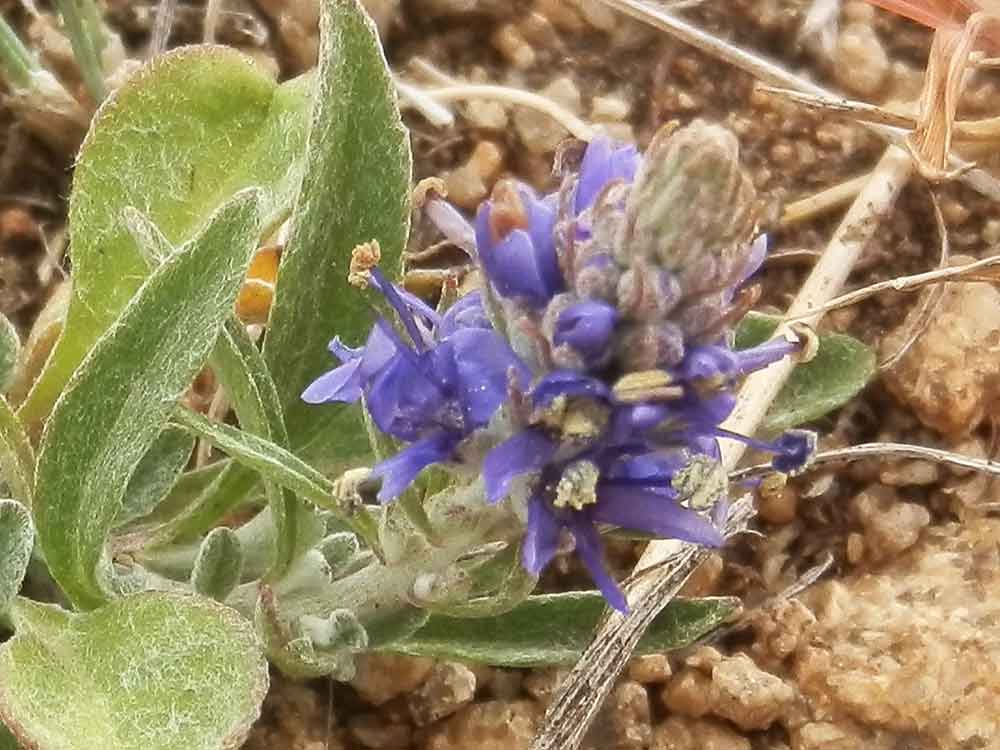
[(898, 645)]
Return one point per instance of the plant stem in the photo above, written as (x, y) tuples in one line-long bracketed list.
[(584, 690), (16, 61), (83, 25)]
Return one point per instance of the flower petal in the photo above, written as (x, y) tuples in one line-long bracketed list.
[(602, 162), (541, 539), (339, 384), (483, 361), (528, 450), (590, 551), (400, 470), (652, 512), (467, 312), (567, 383), (587, 327), (514, 268)]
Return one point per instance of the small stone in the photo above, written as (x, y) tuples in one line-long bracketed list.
[(447, 688), (688, 693), (680, 733), (630, 717), (780, 628), (598, 15), (609, 109), (991, 232), (651, 669), (861, 63), (541, 684), (891, 526), (469, 184), (780, 506), (854, 548), (748, 696), (822, 735), (539, 132), (950, 377), (374, 731), (503, 684), (382, 677), (509, 42), (911, 473), (561, 14), (494, 725)]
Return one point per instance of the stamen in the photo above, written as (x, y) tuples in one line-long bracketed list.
[(578, 486)]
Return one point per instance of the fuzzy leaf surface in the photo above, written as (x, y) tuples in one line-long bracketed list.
[(151, 671), (356, 188), (841, 368), (552, 629), (121, 397), (175, 142), (17, 537)]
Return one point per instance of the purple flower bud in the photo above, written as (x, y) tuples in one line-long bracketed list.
[(604, 162), (587, 327)]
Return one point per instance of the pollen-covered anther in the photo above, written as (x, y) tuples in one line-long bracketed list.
[(584, 420), (577, 487), (364, 258), (649, 385)]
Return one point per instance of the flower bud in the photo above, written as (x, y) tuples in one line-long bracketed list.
[(691, 198)]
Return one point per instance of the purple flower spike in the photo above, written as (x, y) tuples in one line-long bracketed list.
[(587, 327), (527, 451), (397, 472)]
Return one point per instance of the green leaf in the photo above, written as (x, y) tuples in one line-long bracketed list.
[(17, 457), (156, 474), (7, 740), (175, 142), (355, 189), (840, 369), (219, 564), (281, 467), (556, 628), (151, 671), (10, 348), (17, 536), (122, 395)]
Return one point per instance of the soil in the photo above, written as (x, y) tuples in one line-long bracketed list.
[(897, 647)]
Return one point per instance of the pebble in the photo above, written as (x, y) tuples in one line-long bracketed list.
[(374, 731), (747, 695), (630, 716), (861, 63), (469, 184), (681, 733), (494, 725), (541, 684), (609, 109), (652, 669), (448, 687), (911, 473), (890, 525), (382, 677), (508, 41), (779, 506), (688, 693), (540, 133), (950, 377)]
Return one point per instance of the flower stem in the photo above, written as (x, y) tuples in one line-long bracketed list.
[(84, 27), (16, 61)]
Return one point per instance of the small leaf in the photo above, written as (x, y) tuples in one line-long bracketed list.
[(17, 536), (121, 397), (156, 474), (10, 349), (355, 189), (555, 629), (175, 142), (151, 671), (219, 564), (17, 457), (840, 369)]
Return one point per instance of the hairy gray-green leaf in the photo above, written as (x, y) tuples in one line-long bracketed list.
[(120, 398), (156, 474), (219, 564), (151, 671), (17, 457), (355, 189), (174, 143), (840, 369), (10, 348), (16, 539), (281, 467), (555, 629), (7, 740)]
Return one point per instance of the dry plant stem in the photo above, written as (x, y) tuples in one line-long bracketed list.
[(771, 73), (577, 127), (435, 113), (162, 25), (966, 272), (213, 9), (583, 692), (822, 202), (882, 451)]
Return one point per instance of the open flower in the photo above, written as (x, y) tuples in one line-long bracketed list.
[(431, 391)]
